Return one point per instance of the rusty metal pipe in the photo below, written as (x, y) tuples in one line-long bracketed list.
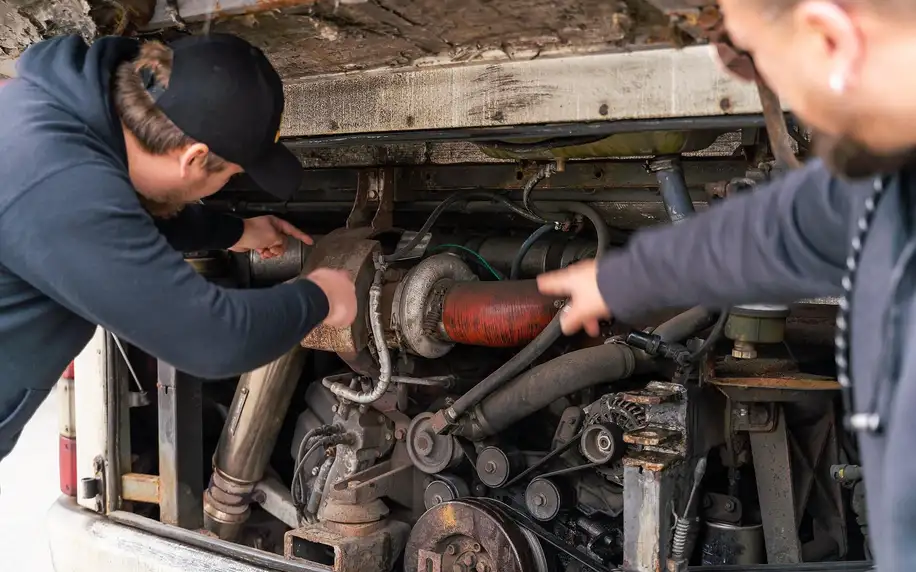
[(495, 314), (247, 441)]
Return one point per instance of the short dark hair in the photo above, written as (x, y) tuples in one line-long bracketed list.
[(137, 110)]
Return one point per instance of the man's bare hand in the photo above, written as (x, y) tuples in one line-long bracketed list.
[(585, 306), (267, 235), (341, 293)]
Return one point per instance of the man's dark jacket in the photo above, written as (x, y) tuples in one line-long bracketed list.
[(788, 241), (77, 249)]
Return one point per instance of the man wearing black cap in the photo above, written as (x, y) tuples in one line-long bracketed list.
[(95, 140)]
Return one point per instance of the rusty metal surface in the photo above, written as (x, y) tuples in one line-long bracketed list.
[(329, 36), (181, 452), (649, 500), (496, 314), (465, 536), (351, 251), (372, 550), (776, 491), (373, 205), (137, 487)]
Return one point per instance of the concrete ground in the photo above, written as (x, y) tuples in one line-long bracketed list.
[(29, 484)]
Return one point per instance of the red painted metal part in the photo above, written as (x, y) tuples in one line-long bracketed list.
[(496, 314), (68, 373), (67, 460)]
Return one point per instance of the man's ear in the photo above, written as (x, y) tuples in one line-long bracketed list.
[(192, 158)]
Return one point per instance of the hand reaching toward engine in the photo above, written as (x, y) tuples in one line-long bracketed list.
[(267, 235), (585, 305), (341, 293)]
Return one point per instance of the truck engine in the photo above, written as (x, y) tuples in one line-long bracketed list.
[(453, 428), (452, 152)]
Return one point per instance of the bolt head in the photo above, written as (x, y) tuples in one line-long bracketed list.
[(450, 549), (490, 467), (400, 434), (388, 436), (334, 408), (482, 567), (315, 472), (540, 500), (729, 506), (475, 547)]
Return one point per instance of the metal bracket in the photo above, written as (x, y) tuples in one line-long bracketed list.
[(374, 201)]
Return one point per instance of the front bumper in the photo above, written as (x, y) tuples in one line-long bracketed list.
[(83, 541)]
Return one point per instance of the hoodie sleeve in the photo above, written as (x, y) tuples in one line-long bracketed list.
[(782, 242), (198, 228), (102, 257)]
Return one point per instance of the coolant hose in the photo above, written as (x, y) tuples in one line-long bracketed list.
[(544, 340), (602, 231), (686, 324), (507, 371), (526, 246), (542, 385)]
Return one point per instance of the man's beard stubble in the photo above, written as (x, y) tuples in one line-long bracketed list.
[(158, 209), (848, 158)]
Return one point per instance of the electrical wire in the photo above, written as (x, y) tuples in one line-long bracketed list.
[(402, 252), (712, 339), (476, 256), (543, 173)]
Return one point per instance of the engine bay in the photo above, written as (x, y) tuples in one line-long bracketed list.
[(453, 428)]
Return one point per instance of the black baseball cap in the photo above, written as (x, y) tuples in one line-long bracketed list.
[(224, 93)]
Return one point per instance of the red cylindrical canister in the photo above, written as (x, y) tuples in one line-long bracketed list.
[(496, 314)]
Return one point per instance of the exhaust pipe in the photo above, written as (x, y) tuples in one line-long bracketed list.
[(248, 438)]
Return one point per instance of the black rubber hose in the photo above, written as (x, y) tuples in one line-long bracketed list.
[(542, 385), (533, 350), (673, 187), (685, 325), (602, 231), (507, 371), (526, 246), (448, 201)]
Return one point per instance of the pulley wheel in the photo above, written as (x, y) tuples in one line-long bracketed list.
[(468, 535)]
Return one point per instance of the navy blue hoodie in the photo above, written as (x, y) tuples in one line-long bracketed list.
[(77, 249)]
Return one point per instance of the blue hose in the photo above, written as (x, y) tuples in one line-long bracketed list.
[(526, 246)]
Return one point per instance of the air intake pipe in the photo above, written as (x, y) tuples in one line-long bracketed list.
[(249, 435)]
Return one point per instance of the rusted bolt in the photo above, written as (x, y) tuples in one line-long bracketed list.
[(475, 547), (381, 418), (388, 436), (540, 500), (482, 567), (490, 467), (438, 499), (725, 104), (603, 109), (400, 434), (334, 408), (450, 549), (424, 443)]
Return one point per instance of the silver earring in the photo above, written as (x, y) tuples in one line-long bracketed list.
[(838, 83)]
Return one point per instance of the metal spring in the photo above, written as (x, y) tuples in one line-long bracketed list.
[(683, 531)]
